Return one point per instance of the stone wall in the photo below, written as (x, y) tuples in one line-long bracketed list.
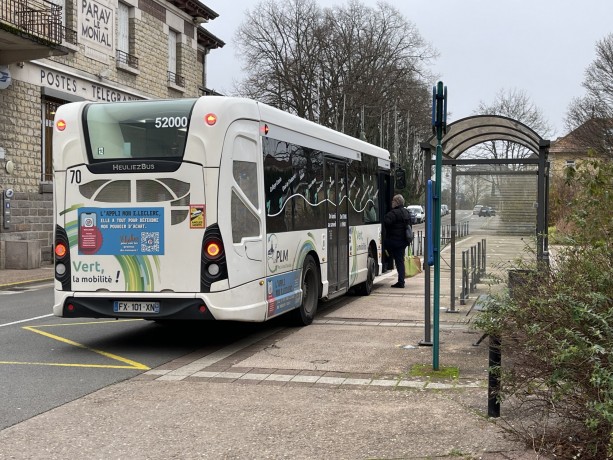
[(31, 210), (31, 220), (20, 136)]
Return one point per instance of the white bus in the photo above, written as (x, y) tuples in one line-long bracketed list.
[(213, 208)]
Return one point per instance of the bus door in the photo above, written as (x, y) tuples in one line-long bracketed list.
[(241, 203), (386, 188), (337, 223)]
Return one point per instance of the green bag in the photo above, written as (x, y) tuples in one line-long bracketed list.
[(412, 264)]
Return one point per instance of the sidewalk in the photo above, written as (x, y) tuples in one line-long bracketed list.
[(347, 387), (12, 278)]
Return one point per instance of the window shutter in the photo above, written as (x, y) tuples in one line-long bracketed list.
[(172, 51), (123, 32)]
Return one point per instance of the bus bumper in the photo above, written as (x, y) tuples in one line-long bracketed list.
[(228, 305)]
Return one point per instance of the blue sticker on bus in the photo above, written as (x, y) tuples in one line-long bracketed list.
[(283, 292), (121, 231)]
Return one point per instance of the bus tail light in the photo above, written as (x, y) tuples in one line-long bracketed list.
[(213, 265), (61, 252), (60, 269), (213, 248)]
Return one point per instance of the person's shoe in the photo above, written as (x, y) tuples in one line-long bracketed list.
[(398, 285)]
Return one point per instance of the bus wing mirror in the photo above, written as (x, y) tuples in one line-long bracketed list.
[(400, 179)]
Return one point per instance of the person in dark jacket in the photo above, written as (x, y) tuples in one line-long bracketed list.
[(396, 222)]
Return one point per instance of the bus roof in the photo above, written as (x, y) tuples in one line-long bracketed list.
[(231, 109), (295, 123), (244, 108)]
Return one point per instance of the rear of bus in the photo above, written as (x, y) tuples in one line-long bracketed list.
[(137, 197)]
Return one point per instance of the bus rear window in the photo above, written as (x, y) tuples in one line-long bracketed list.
[(137, 130)]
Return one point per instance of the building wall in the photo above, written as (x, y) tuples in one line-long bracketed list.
[(558, 162), (77, 76), (20, 132)]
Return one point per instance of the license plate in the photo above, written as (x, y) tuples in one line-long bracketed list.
[(136, 307)]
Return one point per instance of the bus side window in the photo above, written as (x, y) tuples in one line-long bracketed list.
[(246, 176), (244, 202), (244, 222)]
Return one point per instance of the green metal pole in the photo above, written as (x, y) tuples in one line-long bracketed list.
[(440, 120), (437, 259)]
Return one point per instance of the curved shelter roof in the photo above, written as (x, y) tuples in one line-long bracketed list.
[(470, 131)]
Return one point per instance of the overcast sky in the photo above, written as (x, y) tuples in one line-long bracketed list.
[(540, 46)]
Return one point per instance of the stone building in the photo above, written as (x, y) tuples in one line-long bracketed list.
[(58, 51), (592, 138)]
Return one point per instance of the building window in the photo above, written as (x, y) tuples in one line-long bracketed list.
[(59, 9), (123, 27), (172, 51), (201, 55), (125, 45), (174, 77), (49, 20), (49, 108)]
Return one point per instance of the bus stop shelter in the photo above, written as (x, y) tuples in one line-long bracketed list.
[(469, 132)]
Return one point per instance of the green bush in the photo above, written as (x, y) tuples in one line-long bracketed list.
[(556, 328)]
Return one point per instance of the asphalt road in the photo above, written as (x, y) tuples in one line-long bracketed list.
[(47, 361)]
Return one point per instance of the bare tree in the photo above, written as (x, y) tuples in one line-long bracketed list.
[(475, 189), (510, 193), (514, 104), (281, 54), (353, 68), (591, 116), (376, 62)]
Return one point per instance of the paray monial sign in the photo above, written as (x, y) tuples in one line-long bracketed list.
[(97, 21)]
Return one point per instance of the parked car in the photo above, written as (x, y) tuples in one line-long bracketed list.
[(487, 211), (476, 209), (413, 216), (420, 215)]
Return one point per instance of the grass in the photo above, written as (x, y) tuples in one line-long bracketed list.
[(443, 372)]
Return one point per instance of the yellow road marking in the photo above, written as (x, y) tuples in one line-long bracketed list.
[(100, 366), (34, 280), (130, 364), (89, 323)]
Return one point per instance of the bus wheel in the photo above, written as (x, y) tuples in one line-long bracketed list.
[(365, 288), (303, 316)]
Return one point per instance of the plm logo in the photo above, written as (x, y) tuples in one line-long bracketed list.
[(275, 256)]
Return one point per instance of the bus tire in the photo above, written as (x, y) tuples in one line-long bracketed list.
[(303, 316), (365, 288)]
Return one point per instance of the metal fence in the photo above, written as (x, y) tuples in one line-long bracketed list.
[(176, 79), (419, 238), (38, 19), (473, 268), (127, 59)]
